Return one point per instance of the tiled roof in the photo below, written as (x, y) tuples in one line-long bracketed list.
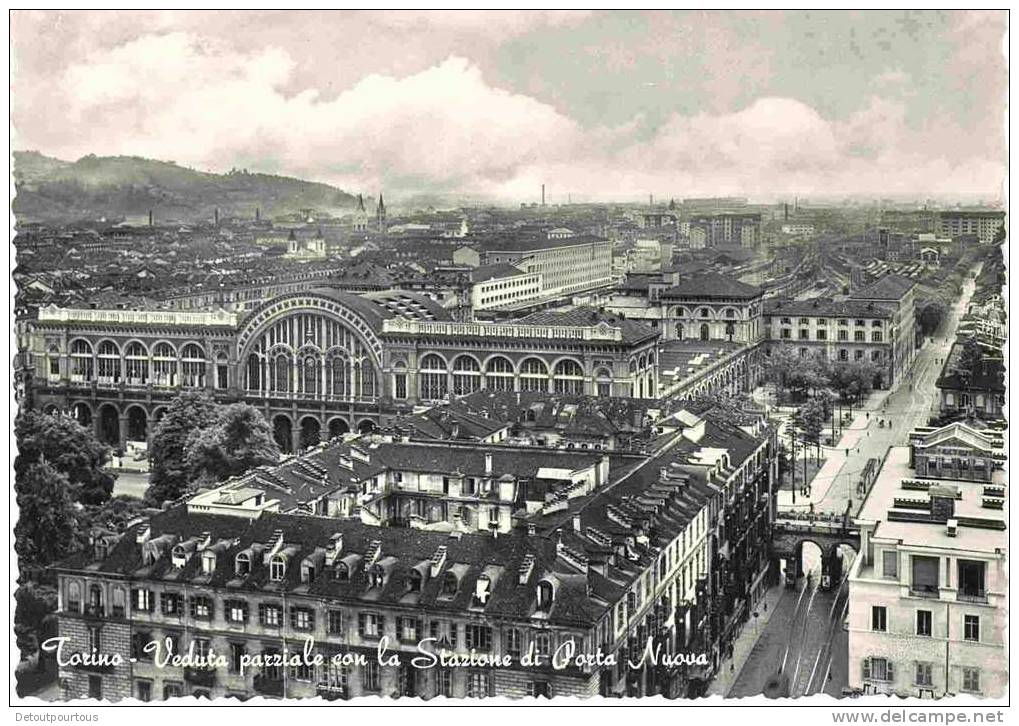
[(889, 287), (494, 271), (468, 556), (826, 307), (712, 284), (584, 316)]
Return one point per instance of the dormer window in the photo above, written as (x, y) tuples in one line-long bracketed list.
[(277, 568), (100, 549), (342, 572), (208, 562), (416, 581), (242, 563), (376, 576), (482, 590), (449, 584), (307, 572), (179, 558), (546, 594)]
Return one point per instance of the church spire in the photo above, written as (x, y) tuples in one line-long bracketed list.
[(380, 214)]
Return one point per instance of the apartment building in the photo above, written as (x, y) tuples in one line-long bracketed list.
[(982, 224), (927, 596), (660, 559)]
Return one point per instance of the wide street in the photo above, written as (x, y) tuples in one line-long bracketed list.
[(804, 639)]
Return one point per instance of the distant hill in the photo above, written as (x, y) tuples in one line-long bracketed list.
[(53, 190)]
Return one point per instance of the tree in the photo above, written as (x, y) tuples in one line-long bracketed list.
[(809, 374), (34, 617), (47, 520), (169, 473), (853, 379), (239, 439), (810, 419), (779, 366), (69, 448), (931, 316)]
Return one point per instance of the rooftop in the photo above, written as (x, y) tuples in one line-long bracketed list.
[(712, 285)]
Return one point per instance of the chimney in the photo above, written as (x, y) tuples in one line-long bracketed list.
[(335, 548), (942, 498), (204, 541), (543, 195), (488, 463), (215, 216), (150, 218), (532, 531), (576, 522), (258, 214), (143, 534)]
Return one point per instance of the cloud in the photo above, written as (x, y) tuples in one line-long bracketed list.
[(205, 103)]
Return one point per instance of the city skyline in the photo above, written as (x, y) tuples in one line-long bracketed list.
[(596, 105)]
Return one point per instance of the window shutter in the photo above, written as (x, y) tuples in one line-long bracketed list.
[(891, 671), (212, 607), (150, 600), (261, 614), (193, 606), (452, 634), (361, 620), (434, 629), (419, 629), (311, 619), (866, 669), (244, 611), (382, 625), (135, 598), (293, 617)]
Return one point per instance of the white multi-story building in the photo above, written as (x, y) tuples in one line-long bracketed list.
[(567, 265), (502, 285), (927, 596)]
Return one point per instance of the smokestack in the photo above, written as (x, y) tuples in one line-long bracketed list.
[(150, 218), (258, 214), (215, 216), (651, 200), (543, 195), (787, 211)]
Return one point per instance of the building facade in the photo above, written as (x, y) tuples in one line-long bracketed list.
[(841, 331), (927, 596), (981, 224), (318, 363), (567, 265)]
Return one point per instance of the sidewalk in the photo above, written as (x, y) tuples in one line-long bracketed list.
[(730, 670), (835, 460)]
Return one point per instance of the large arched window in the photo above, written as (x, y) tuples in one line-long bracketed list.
[(136, 359), (367, 375), (603, 381), (109, 362), (568, 377), (339, 376), (434, 379), (81, 360), (279, 374), (534, 375), (164, 365), (466, 375), (309, 374), (192, 366), (499, 374), (254, 372), (704, 313), (705, 331)]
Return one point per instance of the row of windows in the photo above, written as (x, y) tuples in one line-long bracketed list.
[(842, 322), (924, 623), (926, 574), (859, 336), (883, 670)]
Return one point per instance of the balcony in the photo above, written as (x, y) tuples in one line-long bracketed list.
[(205, 676), (971, 596), (928, 591), (268, 686), (332, 693), (95, 611)]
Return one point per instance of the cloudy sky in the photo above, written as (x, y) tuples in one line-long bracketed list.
[(604, 105)]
